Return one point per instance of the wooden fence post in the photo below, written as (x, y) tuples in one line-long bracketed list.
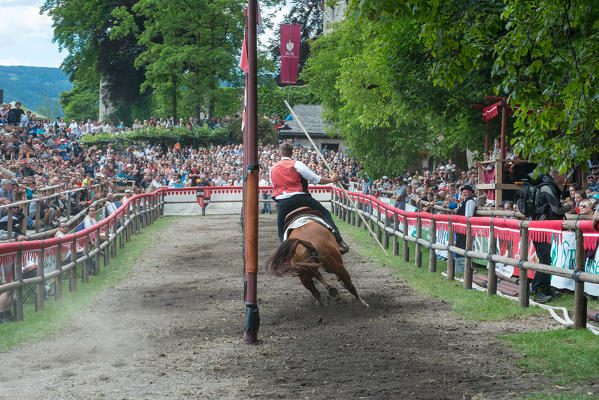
[(406, 249), (385, 231), (129, 226), (97, 256), (467, 259), (370, 213), (379, 230), (73, 274), (395, 237), (9, 224), (19, 277), (432, 255), (580, 301), (418, 255), (492, 276), (37, 216), (361, 208), (354, 214), (41, 288), (59, 263), (85, 266), (523, 297), (450, 257)]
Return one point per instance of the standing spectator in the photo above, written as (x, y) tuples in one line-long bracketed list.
[(400, 194), (549, 209), (467, 208)]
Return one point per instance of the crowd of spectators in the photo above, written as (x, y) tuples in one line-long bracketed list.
[(37, 153)]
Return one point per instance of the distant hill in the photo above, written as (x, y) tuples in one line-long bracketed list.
[(38, 88)]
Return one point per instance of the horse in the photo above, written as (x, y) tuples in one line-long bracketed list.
[(308, 249)]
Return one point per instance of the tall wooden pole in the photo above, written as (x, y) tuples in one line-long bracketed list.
[(252, 316)]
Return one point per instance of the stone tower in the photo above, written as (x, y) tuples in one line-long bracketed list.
[(334, 14)]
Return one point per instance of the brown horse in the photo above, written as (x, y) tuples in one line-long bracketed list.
[(308, 249)]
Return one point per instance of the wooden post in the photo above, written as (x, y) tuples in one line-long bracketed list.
[(418, 256), (395, 237), (41, 288), (37, 216), (137, 223), (73, 274), (85, 267), (468, 260), (121, 236), (59, 263), (580, 304), (9, 225), (97, 246), (361, 208), (129, 225), (114, 242), (450, 257), (492, 276), (379, 230), (68, 206), (385, 232), (406, 249), (523, 297), (19, 291), (432, 255)]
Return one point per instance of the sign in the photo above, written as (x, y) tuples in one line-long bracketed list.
[(290, 51)]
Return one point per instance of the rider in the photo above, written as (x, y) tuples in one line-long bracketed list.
[(290, 182)]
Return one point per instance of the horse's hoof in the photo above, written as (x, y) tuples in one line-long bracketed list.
[(250, 336), (333, 292)]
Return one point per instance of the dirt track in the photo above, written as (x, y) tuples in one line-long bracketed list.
[(174, 330)]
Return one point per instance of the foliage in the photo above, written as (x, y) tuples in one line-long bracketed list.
[(372, 81), (266, 131), (35, 87), (80, 103), (544, 57), (181, 135), (270, 98)]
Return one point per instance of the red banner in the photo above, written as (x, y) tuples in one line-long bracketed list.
[(290, 48)]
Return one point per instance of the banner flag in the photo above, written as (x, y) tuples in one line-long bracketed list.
[(290, 51)]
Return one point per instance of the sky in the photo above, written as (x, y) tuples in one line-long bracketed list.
[(26, 36)]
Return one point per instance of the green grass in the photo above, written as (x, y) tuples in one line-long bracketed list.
[(570, 358), (58, 315), (469, 304)]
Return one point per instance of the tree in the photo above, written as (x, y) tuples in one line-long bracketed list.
[(83, 29), (542, 54), (188, 47), (372, 80)]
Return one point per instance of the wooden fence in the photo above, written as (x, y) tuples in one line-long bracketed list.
[(386, 220), (102, 240)]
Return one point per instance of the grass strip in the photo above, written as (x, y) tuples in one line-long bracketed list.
[(469, 304), (58, 315)]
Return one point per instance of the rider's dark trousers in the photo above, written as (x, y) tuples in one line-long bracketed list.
[(285, 206)]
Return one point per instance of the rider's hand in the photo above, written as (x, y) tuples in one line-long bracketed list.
[(334, 177)]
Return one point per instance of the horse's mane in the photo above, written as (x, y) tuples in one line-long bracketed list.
[(281, 261)]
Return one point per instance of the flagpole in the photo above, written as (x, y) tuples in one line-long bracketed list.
[(332, 172), (252, 316)]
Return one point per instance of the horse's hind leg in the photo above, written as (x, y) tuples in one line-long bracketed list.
[(308, 282), (345, 279), (333, 292)]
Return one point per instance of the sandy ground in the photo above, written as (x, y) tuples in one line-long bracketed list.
[(174, 330)]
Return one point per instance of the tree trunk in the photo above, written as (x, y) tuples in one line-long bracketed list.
[(175, 97)]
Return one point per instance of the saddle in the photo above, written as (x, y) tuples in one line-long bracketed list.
[(302, 216)]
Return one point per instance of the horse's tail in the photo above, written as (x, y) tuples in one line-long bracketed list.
[(281, 261)]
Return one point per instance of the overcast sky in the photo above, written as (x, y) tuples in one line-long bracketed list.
[(26, 36)]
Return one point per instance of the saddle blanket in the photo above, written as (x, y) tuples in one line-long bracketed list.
[(301, 221)]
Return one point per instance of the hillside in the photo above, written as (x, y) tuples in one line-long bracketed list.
[(38, 88)]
